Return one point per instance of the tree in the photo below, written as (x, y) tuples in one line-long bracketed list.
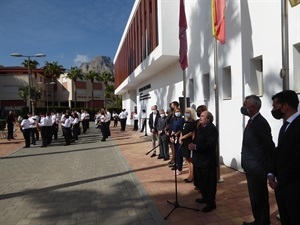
[(107, 78), (32, 64), (34, 94), (23, 93), (53, 70), (74, 74), (92, 76)]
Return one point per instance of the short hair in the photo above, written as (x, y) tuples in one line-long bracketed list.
[(288, 96), (175, 103), (201, 108), (210, 117), (254, 100)]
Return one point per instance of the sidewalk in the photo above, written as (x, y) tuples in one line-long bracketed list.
[(112, 182)]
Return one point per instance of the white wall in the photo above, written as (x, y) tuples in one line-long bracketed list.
[(253, 29)]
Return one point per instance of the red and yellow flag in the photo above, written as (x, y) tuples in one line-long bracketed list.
[(218, 19), (294, 2)]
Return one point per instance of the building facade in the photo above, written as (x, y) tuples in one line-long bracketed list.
[(54, 92), (147, 70)]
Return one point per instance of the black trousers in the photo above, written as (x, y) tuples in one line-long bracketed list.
[(10, 131), (44, 136), (207, 183), (26, 134), (259, 198)]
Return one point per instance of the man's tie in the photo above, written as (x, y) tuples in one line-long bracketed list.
[(248, 124), (282, 131)]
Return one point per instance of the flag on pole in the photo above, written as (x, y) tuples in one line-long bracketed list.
[(182, 37), (218, 19), (294, 2)]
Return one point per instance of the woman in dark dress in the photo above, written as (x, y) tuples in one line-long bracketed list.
[(186, 138)]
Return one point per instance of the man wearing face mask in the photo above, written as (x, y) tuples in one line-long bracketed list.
[(163, 139), (257, 150), (285, 170), (153, 118)]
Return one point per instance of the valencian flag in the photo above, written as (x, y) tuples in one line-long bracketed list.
[(218, 19), (294, 2), (182, 37)]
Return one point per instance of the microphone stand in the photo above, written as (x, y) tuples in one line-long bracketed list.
[(156, 146), (176, 203)]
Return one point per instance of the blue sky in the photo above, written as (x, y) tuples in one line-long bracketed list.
[(67, 31)]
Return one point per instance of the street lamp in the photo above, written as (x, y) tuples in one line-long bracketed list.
[(28, 67), (51, 83)]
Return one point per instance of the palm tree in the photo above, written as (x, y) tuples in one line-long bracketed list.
[(107, 78), (23, 93), (30, 64), (34, 94), (53, 70), (75, 73), (92, 76)]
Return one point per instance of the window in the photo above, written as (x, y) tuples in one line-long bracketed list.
[(296, 70), (256, 76), (227, 87), (206, 86)]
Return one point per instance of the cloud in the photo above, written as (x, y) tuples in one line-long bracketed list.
[(80, 59)]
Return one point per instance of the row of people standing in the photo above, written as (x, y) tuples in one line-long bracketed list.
[(32, 125), (190, 139), (47, 125), (262, 162), (265, 164)]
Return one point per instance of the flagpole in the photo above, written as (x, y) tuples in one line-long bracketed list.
[(184, 89), (216, 88), (284, 73)]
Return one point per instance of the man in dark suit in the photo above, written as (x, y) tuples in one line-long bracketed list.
[(257, 150), (205, 160), (153, 119), (285, 170)]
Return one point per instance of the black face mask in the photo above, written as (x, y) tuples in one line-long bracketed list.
[(277, 114), (245, 111)]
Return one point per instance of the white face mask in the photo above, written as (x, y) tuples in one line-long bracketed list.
[(154, 111), (177, 114), (162, 115), (187, 115)]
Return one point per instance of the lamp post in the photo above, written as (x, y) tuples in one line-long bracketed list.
[(28, 67), (47, 94)]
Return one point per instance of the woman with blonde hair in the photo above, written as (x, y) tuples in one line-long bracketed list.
[(186, 137)]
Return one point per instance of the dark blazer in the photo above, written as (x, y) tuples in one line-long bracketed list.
[(285, 165), (151, 125), (205, 155), (257, 147)]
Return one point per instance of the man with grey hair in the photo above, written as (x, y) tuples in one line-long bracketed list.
[(257, 149), (153, 119)]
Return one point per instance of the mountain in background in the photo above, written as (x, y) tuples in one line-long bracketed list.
[(99, 64)]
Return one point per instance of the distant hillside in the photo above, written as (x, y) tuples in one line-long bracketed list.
[(98, 64)]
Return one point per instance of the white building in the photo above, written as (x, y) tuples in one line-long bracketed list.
[(147, 70)]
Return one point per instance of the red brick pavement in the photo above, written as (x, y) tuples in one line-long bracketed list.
[(233, 206), (157, 179)]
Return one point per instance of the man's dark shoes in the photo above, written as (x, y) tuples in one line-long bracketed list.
[(209, 207), (249, 223), (103, 140), (160, 157), (153, 155), (201, 200)]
